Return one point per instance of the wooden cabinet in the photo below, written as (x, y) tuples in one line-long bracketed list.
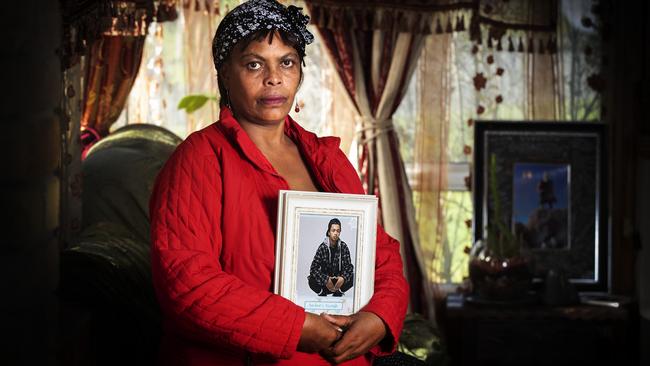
[(538, 334)]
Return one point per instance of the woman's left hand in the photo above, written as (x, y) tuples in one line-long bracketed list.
[(362, 331)]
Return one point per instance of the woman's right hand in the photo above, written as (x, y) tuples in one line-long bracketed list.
[(317, 334)]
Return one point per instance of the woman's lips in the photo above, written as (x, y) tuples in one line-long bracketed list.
[(273, 101)]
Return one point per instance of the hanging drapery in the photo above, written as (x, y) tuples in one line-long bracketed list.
[(110, 36), (375, 66), (375, 45), (200, 22), (430, 153), (529, 27), (113, 64)]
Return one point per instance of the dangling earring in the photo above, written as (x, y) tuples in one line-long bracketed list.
[(228, 100), (297, 109)]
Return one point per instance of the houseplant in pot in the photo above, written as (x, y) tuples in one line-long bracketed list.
[(499, 271)]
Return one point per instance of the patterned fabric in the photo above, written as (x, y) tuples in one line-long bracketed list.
[(113, 62), (256, 15), (332, 262)]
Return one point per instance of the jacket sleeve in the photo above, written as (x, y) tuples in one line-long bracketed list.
[(317, 271), (391, 293), (348, 268), (198, 298)]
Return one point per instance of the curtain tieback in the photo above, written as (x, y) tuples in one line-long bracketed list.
[(374, 128), (88, 137)]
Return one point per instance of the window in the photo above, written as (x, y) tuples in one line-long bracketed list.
[(487, 84)]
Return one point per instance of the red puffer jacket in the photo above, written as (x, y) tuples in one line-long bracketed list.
[(213, 213)]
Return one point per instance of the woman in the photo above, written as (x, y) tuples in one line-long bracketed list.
[(214, 207)]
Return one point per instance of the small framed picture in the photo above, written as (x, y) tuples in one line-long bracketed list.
[(550, 181), (541, 206), (325, 250)]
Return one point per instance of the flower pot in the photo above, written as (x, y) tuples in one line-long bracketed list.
[(501, 279)]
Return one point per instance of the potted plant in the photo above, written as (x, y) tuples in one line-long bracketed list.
[(499, 271)]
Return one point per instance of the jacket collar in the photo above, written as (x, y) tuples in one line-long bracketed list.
[(315, 150)]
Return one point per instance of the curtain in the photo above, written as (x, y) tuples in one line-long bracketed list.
[(430, 155), (375, 66), (177, 62), (113, 65), (375, 44), (200, 22), (537, 70), (109, 37)]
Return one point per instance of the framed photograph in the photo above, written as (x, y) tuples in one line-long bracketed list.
[(551, 185), (325, 250)]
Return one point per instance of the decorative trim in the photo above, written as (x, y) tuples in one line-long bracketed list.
[(85, 21), (444, 16)]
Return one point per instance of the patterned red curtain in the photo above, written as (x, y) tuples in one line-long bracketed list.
[(113, 65), (107, 38)]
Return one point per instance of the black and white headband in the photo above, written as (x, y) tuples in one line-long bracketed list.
[(256, 15)]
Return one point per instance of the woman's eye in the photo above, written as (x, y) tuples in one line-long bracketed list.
[(254, 65), (287, 63)]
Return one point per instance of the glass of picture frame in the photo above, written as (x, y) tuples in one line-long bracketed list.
[(325, 250)]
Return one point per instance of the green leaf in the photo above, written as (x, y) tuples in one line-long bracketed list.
[(195, 101)]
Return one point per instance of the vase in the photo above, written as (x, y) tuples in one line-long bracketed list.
[(496, 279)]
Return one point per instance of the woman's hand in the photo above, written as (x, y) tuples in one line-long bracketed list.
[(362, 331), (317, 334)]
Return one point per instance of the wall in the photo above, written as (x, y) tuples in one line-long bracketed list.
[(29, 186)]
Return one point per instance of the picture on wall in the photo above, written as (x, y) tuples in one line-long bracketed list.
[(550, 182), (541, 205)]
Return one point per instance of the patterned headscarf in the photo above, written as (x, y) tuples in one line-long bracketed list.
[(256, 15)]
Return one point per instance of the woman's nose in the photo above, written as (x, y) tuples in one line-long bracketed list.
[(273, 76)]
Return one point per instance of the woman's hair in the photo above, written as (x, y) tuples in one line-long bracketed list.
[(259, 36), (329, 226)]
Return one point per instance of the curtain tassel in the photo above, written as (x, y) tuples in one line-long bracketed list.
[(386, 20), (426, 26), (438, 26), (403, 23), (449, 28), (460, 23), (511, 46), (521, 45), (367, 17), (531, 45), (353, 20)]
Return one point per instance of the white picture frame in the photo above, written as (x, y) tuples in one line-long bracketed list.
[(303, 222)]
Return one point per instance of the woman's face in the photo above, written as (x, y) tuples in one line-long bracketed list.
[(262, 80)]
